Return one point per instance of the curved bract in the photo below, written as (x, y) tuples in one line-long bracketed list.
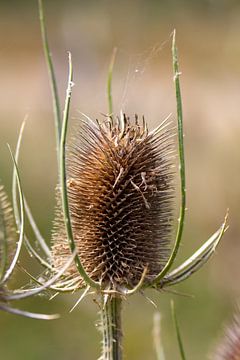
[(11, 242)]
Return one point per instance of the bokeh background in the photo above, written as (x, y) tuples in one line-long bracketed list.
[(208, 34)]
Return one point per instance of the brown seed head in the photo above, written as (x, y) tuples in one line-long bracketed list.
[(7, 231), (120, 189)]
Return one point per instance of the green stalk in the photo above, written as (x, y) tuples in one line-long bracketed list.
[(19, 243), (52, 77), (181, 164), (111, 329), (179, 338)]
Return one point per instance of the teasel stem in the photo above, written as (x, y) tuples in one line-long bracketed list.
[(52, 77), (111, 328)]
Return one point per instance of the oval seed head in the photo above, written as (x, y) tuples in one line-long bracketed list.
[(120, 189)]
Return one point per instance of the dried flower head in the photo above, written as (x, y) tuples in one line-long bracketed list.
[(120, 189), (8, 235), (8, 241), (8, 238)]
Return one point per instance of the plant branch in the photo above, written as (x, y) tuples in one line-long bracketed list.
[(111, 329), (14, 261)]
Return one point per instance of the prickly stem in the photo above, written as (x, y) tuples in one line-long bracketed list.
[(111, 329)]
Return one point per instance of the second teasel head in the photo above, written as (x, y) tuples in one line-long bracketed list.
[(229, 346), (8, 234), (120, 192)]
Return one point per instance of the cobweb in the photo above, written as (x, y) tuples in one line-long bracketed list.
[(139, 64)]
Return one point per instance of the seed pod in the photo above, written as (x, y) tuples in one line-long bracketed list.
[(120, 189)]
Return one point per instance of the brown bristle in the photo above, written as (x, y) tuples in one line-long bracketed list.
[(229, 347), (120, 189)]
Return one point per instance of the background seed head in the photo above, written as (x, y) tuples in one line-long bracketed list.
[(229, 347), (8, 235), (120, 189)]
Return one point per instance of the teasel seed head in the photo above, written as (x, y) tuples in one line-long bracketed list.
[(229, 347), (8, 235), (8, 238), (120, 192)]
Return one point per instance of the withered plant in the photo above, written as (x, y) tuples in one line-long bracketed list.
[(115, 208)]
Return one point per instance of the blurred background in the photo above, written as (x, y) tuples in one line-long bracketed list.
[(208, 34)]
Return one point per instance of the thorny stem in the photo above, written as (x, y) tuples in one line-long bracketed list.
[(111, 329)]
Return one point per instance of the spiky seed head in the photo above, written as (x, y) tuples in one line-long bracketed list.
[(8, 235), (120, 189), (229, 346)]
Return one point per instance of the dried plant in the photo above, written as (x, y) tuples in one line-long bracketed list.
[(115, 209), (120, 191)]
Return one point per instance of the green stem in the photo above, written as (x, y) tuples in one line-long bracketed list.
[(52, 77), (111, 329), (179, 338), (181, 165)]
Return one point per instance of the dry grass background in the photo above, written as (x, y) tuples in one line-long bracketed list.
[(208, 34)]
